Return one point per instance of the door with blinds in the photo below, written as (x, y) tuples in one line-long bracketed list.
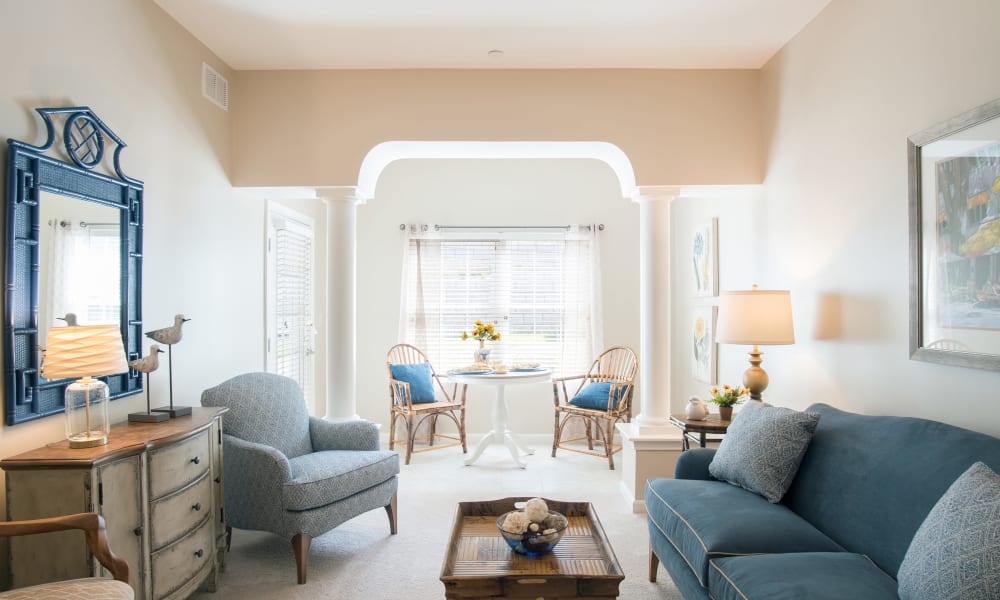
[(291, 310)]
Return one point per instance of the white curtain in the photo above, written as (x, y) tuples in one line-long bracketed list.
[(80, 278)]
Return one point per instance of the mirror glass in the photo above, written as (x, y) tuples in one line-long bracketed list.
[(79, 263)]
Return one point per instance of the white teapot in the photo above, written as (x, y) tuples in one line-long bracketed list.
[(696, 409)]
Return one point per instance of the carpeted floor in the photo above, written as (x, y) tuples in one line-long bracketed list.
[(360, 559)]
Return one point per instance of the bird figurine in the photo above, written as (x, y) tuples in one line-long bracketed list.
[(149, 363), (70, 319), (169, 335)]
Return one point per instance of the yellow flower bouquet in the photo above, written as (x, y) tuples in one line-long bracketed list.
[(482, 332)]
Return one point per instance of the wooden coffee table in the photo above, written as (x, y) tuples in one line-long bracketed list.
[(480, 564)]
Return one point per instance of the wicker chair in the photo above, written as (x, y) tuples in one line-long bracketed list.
[(616, 365), (413, 414), (92, 525)]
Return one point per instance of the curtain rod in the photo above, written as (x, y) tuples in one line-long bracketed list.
[(402, 227)]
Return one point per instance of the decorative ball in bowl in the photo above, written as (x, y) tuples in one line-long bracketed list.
[(531, 538)]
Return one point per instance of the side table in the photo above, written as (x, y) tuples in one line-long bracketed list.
[(711, 424)]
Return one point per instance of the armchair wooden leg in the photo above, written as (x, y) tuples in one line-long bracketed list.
[(654, 563), (390, 509), (609, 446), (433, 428), (300, 544), (410, 433), (555, 435), (392, 430), (590, 434), (461, 428)]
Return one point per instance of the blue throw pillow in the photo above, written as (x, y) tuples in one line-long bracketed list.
[(419, 377), (595, 395)]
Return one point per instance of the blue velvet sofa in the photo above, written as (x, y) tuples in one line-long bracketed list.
[(863, 488)]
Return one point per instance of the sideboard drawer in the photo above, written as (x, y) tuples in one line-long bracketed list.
[(176, 564), (173, 467), (174, 515)]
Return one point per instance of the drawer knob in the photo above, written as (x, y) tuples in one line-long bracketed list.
[(218, 480), (196, 460), (199, 553), (196, 506), (137, 531)]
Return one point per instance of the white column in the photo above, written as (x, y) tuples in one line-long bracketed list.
[(654, 306), (650, 445), (341, 293)]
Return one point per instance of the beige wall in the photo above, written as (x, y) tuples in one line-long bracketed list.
[(485, 192), (839, 103), (140, 72), (676, 127)]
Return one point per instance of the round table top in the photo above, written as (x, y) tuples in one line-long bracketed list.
[(532, 376)]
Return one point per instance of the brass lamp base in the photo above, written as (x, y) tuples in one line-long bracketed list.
[(88, 441)]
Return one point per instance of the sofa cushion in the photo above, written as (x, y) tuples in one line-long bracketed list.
[(707, 519), (763, 448), (956, 552), (868, 482), (812, 575), (96, 588), (321, 478), (418, 375)]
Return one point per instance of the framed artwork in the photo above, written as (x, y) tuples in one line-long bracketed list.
[(705, 259), (954, 206), (704, 350)]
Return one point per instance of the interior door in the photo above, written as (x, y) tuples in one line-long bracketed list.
[(291, 310)]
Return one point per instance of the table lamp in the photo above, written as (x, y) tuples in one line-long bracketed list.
[(84, 352), (755, 317)]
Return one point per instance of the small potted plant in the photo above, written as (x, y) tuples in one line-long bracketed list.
[(726, 398)]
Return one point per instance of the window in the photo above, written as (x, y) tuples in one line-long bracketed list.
[(539, 292)]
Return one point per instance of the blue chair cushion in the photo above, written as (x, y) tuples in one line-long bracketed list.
[(322, 478), (812, 575), (418, 375), (707, 519), (956, 552), (595, 395)]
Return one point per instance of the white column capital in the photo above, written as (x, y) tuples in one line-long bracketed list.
[(345, 193), (648, 193)]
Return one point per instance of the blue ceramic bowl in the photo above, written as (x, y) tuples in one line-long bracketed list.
[(535, 544)]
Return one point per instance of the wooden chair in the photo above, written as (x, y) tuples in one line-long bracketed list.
[(617, 365), (414, 414), (92, 525)]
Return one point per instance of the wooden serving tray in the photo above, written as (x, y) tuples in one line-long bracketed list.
[(480, 564)]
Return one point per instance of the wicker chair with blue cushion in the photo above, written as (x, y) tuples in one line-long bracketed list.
[(294, 475), (600, 397)]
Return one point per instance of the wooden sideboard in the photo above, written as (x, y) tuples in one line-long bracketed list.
[(159, 488)]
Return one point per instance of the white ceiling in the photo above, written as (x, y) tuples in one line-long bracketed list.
[(410, 34)]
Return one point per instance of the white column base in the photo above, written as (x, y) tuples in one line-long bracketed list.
[(647, 452)]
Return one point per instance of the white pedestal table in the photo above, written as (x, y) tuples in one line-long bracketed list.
[(500, 433)]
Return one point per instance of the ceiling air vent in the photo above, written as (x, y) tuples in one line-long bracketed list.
[(214, 86)]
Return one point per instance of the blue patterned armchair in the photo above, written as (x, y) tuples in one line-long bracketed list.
[(294, 475)]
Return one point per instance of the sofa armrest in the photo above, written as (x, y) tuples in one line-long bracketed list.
[(693, 464), (348, 435)]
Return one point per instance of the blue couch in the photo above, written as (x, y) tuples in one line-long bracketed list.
[(864, 486)]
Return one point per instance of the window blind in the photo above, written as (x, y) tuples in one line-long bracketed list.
[(294, 307)]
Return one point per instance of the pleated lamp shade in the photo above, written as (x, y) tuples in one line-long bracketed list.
[(84, 351)]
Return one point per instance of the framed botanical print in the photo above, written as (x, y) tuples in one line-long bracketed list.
[(705, 259), (704, 350)]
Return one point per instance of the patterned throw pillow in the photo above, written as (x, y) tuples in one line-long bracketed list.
[(955, 553), (763, 448), (418, 375)]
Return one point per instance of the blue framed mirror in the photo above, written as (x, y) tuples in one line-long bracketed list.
[(73, 253)]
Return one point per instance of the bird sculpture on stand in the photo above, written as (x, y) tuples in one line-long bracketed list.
[(147, 364), (70, 319), (170, 336)]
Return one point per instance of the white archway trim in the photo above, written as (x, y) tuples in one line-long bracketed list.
[(379, 157)]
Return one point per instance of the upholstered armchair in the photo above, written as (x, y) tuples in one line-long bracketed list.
[(294, 475), (92, 525)]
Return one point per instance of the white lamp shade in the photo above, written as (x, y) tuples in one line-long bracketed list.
[(755, 317), (84, 351)]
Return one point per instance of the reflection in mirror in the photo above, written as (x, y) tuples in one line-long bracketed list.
[(79, 263)]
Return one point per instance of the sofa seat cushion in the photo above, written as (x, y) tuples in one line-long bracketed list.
[(813, 575), (709, 519), (88, 588), (321, 478)]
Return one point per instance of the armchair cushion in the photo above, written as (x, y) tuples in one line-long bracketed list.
[(418, 375), (595, 396), (95, 588), (763, 448), (321, 478), (956, 551)]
